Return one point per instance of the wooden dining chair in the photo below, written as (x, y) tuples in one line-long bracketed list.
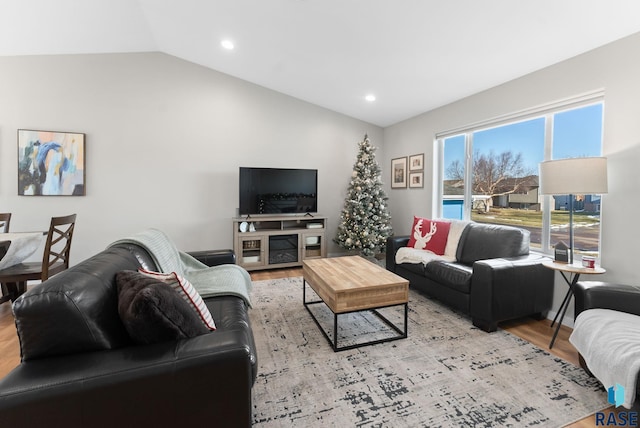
[(54, 260), (4, 247), (5, 219)]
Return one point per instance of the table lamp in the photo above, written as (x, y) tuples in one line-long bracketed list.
[(575, 176)]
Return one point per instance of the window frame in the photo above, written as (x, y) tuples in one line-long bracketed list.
[(547, 111)]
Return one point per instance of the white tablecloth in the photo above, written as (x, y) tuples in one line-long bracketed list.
[(23, 245)]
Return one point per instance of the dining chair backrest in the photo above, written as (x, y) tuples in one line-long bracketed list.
[(4, 294), (5, 219), (58, 245), (4, 247)]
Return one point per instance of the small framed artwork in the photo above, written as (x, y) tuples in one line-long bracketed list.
[(399, 173), (416, 162), (51, 163), (416, 179)]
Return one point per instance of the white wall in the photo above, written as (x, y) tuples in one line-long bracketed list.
[(616, 68), (164, 140)]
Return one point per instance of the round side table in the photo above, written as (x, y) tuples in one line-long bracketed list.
[(574, 271)]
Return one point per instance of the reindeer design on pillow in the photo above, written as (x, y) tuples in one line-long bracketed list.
[(421, 241)]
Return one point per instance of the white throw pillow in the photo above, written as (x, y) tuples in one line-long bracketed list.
[(455, 232)]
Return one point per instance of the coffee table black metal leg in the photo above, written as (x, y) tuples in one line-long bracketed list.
[(335, 331), (406, 320)]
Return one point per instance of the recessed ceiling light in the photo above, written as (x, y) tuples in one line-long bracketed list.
[(371, 98), (227, 44)]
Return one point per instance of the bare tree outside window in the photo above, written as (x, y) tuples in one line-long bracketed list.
[(495, 174)]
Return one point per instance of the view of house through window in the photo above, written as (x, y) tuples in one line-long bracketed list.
[(490, 175)]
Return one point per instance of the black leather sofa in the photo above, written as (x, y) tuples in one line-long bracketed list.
[(607, 295), (88, 373), (494, 277)]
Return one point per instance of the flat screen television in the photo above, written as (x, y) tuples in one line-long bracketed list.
[(278, 191)]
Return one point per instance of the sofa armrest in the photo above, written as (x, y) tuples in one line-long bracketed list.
[(214, 257), (606, 295), (393, 244), (508, 288), (180, 383)]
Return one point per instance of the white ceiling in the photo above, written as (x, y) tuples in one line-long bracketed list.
[(414, 55)]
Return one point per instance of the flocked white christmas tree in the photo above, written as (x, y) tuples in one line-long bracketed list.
[(365, 222)]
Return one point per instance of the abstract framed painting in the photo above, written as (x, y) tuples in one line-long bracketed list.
[(399, 173), (51, 163)]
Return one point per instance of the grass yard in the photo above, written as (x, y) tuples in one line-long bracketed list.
[(532, 218)]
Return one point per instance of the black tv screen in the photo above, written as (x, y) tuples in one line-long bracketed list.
[(278, 191)]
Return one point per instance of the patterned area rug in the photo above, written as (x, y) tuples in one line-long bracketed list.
[(447, 373)]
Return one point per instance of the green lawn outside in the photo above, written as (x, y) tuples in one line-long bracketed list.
[(532, 218)]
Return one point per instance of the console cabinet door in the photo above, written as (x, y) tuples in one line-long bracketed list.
[(313, 245), (252, 251)]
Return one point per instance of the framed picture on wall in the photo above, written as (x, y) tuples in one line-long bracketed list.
[(416, 162), (51, 163), (416, 179), (399, 173)]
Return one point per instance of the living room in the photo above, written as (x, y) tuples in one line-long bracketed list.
[(165, 138)]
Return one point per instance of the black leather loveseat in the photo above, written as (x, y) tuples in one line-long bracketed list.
[(615, 297), (494, 277), (82, 370)]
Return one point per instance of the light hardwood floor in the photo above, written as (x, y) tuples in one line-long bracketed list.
[(537, 332)]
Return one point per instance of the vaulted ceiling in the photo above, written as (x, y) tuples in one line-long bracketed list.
[(412, 55)]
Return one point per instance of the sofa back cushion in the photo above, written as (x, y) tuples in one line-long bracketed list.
[(489, 241), (75, 310)]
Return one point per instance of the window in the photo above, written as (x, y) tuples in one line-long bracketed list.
[(454, 178), (489, 172)]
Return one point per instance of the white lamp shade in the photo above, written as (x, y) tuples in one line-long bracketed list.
[(575, 176)]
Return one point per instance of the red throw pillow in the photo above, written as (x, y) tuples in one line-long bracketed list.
[(429, 235)]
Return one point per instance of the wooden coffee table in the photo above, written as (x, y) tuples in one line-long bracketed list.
[(353, 284)]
